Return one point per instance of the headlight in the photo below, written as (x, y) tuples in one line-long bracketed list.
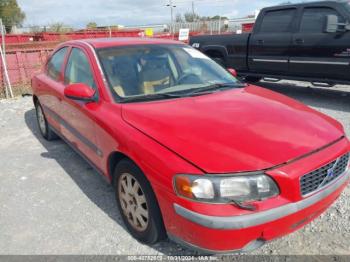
[(218, 189)]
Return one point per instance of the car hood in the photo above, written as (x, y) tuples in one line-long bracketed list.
[(243, 129)]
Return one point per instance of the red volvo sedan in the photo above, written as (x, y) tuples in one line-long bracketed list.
[(193, 154)]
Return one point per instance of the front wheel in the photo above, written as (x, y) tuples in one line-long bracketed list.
[(137, 203)]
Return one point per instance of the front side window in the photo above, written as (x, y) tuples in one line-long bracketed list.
[(54, 65), (279, 21), (145, 70), (78, 69), (314, 19)]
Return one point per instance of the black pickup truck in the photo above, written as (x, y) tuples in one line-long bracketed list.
[(308, 41)]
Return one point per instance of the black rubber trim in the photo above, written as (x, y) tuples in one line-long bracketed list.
[(255, 244)]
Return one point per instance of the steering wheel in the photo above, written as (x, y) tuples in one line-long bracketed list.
[(185, 76)]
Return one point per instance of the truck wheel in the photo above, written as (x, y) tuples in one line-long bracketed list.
[(252, 79), (44, 126), (137, 203)]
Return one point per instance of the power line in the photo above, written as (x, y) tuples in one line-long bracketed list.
[(172, 6)]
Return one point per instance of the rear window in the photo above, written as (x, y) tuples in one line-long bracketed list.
[(278, 21)]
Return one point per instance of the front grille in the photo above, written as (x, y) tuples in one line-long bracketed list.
[(324, 175)]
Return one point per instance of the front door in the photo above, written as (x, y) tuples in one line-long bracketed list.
[(269, 44), (317, 53), (78, 124)]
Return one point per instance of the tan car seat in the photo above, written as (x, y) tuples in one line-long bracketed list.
[(123, 76), (155, 76)]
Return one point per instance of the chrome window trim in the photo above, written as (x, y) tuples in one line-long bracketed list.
[(270, 60), (104, 79), (318, 62)]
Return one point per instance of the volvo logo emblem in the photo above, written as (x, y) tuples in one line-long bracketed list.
[(330, 174)]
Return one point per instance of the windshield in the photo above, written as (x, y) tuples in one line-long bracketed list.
[(155, 71)]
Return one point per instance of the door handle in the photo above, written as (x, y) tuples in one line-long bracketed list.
[(260, 42), (299, 41)]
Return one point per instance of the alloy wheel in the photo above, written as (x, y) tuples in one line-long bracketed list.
[(133, 202)]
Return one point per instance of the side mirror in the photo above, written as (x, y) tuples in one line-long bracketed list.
[(80, 92), (332, 24), (232, 72)]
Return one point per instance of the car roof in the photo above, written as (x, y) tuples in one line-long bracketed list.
[(124, 41), (305, 4)]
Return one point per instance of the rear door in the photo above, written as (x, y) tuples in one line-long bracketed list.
[(52, 87), (317, 53), (78, 120), (270, 42)]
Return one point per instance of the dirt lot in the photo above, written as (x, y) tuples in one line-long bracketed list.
[(52, 202)]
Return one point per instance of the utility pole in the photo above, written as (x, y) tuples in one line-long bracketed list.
[(193, 11), (3, 34), (172, 31), (7, 83)]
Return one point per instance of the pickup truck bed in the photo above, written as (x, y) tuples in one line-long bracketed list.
[(226, 49)]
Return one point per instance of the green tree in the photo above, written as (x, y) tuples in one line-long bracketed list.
[(11, 14), (91, 25), (191, 17), (217, 17)]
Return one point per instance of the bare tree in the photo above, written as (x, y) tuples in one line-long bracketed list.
[(191, 17), (59, 28), (179, 18)]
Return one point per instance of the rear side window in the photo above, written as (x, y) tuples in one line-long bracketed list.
[(279, 21), (314, 19), (78, 69), (54, 66)]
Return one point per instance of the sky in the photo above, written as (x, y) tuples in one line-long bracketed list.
[(77, 13)]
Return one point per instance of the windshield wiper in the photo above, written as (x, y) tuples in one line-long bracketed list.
[(214, 87), (199, 91), (150, 97)]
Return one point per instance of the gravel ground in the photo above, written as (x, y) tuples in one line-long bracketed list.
[(52, 202)]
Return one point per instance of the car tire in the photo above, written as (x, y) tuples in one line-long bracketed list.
[(44, 127), (252, 79), (137, 203)]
